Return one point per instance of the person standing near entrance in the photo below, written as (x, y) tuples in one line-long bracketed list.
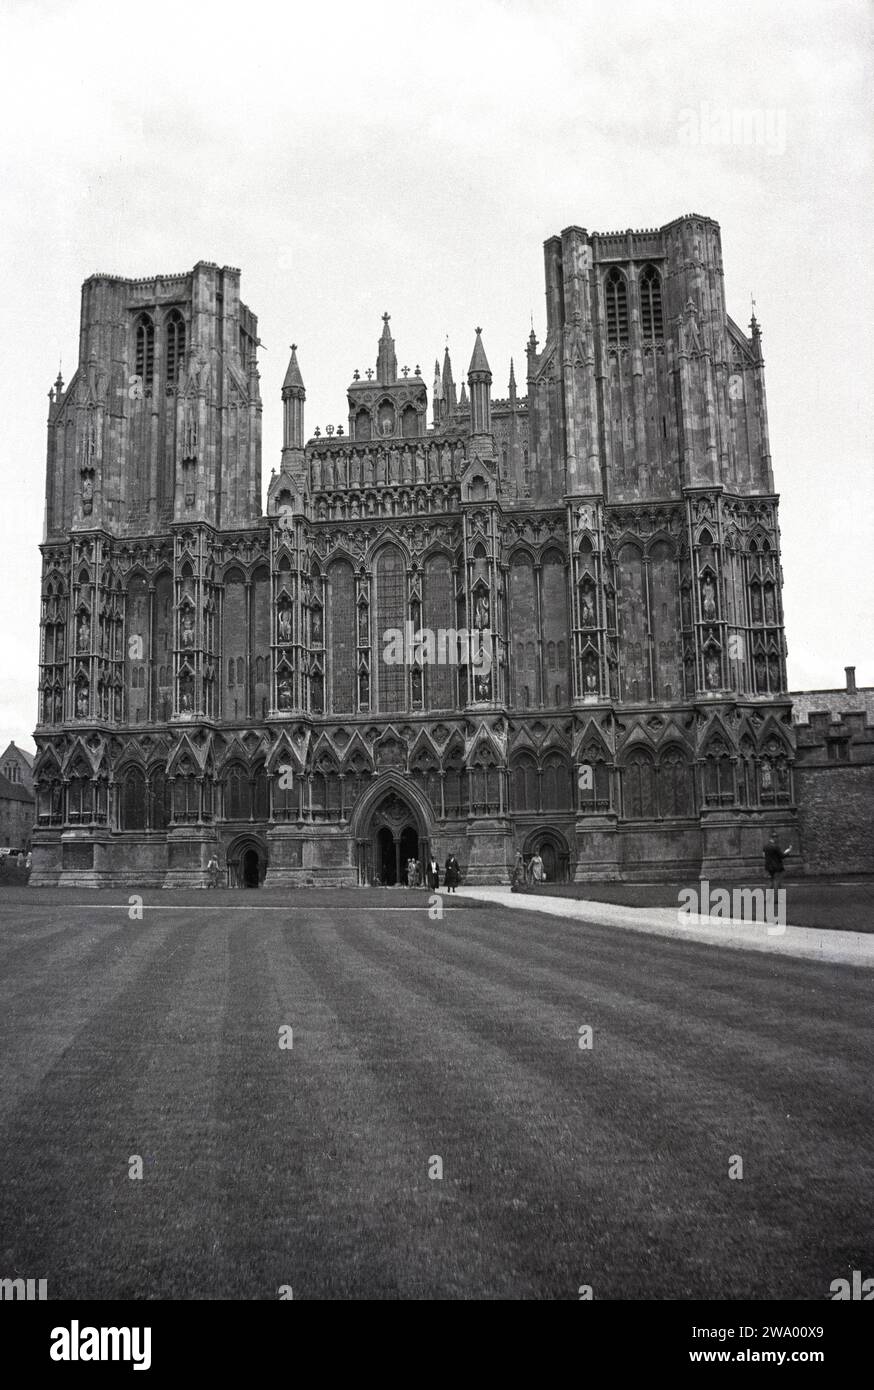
[(433, 873), (453, 873), (536, 869), (517, 878), (212, 872), (774, 857)]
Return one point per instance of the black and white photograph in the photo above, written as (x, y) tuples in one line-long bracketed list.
[(437, 695)]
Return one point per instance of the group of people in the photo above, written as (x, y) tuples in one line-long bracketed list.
[(430, 873), (527, 875), (20, 861)]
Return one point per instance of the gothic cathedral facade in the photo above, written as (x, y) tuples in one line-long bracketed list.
[(551, 621)]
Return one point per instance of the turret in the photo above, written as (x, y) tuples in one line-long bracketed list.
[(479, 378), (293, 396), (386, 362)]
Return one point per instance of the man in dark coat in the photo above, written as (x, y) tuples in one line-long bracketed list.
[(774, 857), (452, 873), (433, 872)]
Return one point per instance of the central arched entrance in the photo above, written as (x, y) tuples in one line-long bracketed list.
[(390, 826)]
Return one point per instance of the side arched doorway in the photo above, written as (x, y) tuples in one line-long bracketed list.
[(246, 862), (554, 852)]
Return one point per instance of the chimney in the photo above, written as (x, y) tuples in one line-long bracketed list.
[(850, 672)]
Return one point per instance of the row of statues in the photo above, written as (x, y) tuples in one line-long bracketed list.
[(432, 463), (387, 504)]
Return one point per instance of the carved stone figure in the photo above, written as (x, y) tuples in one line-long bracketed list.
[(284, 626), (708, 598)]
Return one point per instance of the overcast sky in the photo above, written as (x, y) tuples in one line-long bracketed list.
[(356, 158)]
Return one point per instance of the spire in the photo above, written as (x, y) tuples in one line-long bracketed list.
[(479, 363), (512, 384), (462, 401), (448, 381), (293, 397), (479, 378), (386, 361), (293, 379), (437, 392)]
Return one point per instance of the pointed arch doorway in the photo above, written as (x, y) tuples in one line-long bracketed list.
[(391, 825)]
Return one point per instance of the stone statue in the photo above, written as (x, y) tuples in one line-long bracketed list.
[(482, 612), (708, 598), (83, 633), (188, 631), (82, 702), (285, 624), (712, 668), (285, 693)]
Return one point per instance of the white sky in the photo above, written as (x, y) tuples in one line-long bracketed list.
[(353, 158)]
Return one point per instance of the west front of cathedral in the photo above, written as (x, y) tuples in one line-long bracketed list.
[(465, 625)]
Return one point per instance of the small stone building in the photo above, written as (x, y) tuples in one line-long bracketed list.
[(834, 777)]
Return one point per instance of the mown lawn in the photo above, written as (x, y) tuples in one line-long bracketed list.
[(412, 1039)]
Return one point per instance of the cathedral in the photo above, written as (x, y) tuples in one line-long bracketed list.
[(464, 625)]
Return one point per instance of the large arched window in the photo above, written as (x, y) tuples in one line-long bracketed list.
[(675, 784), (523, 626), (651, 303), (390, 619), (638, 786), (133, 800), (718, 775), (158, 798), (175, 352), (144, 356), (80, 795), (455, 800), (238, 793), (633, 622), (341, 587), (186, 794), (616, 296), (523, 783), (556, 783), (438, 596)]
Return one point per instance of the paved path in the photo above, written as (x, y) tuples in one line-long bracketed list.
[(807, 943)]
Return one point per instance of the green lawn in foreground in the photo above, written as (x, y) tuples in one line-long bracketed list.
[(415, 1038)]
